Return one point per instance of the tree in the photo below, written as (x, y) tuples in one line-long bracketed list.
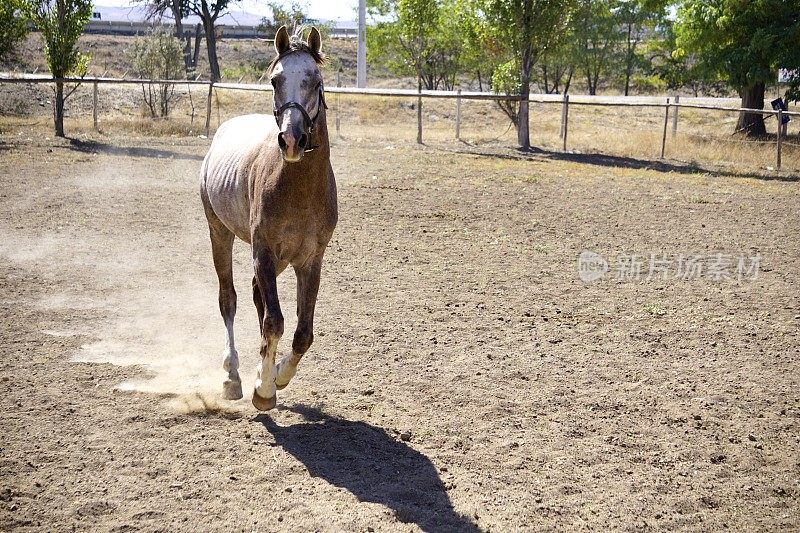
[(637, 18), (596, 34), (290, 16), (745, 41), (557, 66), (676, 68), (13, 28), (208, 12), (155, 11), (60, 22), (406, 42), (525, 29), (158, 56)]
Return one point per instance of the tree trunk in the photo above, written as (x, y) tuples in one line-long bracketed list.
[(419, 109), (569, 81), (59, 109), (177, 15), (523, 132), (628, 61), (752, 124), (198, 38), (211, 45)]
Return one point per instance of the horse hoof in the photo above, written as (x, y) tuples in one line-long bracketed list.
[(264, 404), (232, 390)]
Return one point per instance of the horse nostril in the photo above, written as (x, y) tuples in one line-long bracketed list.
[(281, 141), (303, 141)]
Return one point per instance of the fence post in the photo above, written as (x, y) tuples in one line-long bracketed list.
[(94, 105), (419, 111), (780, 130), (208, 108), (563, 116), (565, 120), (458, 115), (338, 111), (675, 115), (664, 136)]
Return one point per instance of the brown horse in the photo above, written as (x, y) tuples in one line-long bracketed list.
[(269, 182)]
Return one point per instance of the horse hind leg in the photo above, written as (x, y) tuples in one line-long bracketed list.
[(222, 250)]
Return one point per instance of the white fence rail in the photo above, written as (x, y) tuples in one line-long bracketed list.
[(565, 101)]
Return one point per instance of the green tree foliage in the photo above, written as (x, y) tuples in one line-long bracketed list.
[(60, 22), (418, 37), (596, 33), (744, 41), (637, 20), (158, 56), (292, 15), (13, 28), (524, 30), (678, 69), (556, 66)]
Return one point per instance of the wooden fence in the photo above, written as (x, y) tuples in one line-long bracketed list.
[(565, 101)]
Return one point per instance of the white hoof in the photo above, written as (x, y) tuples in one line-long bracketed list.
[(232, 389)]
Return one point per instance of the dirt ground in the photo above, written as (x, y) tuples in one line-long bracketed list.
[(463, 377)]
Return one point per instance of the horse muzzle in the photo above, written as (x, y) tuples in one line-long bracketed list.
[(292, 145)]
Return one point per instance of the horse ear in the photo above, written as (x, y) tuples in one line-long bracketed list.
[(282, 40), (315, 40)]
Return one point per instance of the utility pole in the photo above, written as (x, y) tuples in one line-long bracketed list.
[(361, 73)]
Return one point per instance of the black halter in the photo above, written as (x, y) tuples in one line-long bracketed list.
[(308, 122)]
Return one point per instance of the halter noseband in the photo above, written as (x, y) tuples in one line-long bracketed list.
[(308, 122)]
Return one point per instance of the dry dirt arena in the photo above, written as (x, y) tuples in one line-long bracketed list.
[(463, 377)]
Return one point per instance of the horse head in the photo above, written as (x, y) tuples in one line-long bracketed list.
[(298, 95)]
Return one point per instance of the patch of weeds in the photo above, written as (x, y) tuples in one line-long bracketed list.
[(540, 248), (655, 309)]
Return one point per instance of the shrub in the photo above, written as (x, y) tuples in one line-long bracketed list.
[(158, 56)]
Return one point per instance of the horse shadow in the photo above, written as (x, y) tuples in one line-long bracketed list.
[(370, 464)]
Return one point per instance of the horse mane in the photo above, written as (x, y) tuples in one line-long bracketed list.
[(296, 44)]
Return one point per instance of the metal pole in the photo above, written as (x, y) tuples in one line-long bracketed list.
[(419, 111), (361, 67), (675, 115), (94, 104), (208, 108), (780, 138), (565, 115), (458, 116), (664, 137), (338, 96)]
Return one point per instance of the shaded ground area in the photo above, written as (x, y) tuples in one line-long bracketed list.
[(462, 378)]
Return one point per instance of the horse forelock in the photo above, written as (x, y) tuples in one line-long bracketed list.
[(296, 44)]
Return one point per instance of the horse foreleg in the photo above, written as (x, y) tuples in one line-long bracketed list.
[(265, 265), (307, 289), (222, 247)]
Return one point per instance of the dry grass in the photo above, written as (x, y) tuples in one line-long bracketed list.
[(704, 137)]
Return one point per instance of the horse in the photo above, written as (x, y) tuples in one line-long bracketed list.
[(268, 180)]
